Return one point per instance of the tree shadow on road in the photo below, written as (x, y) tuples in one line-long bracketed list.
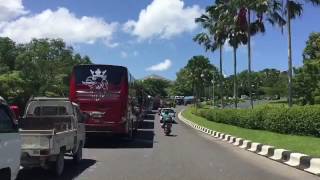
[(71, 171)]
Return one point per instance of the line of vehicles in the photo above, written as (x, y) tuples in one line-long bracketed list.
[(104, 99)]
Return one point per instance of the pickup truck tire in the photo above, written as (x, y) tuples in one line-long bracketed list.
[(58, 165), (77, 157), (5, 174)]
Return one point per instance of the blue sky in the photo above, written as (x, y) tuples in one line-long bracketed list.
[(116, 32)]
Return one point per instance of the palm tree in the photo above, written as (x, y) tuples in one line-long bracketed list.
[(236, 36), (293, 8), (290, 10), (214, 37)]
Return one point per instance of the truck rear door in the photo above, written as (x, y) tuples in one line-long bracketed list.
[(10, 142)]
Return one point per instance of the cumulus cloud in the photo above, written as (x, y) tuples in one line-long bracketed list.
[(135, 53), (59, 24), (10, 9), (123, 54), (163, 19), (162, 66)]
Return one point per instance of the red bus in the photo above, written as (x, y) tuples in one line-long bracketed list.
[(108, 94)]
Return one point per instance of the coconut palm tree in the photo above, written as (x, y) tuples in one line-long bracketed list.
[(214, 36), (293, 9), (290, 9), (258, 8), (236, 35)]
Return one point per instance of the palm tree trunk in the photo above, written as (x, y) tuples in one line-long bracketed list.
[(235, 84), (249, 59), (289, 57), (221, 76)]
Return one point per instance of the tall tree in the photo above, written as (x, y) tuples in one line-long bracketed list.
[(236, 36), (293, 9), (199, 70), (214, 36)]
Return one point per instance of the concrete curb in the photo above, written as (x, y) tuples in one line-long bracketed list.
[(296, 160)]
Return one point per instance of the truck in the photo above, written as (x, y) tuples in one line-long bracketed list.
[(10, 143), (50, 129)]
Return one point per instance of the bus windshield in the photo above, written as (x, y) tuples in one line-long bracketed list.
[(99, 77)]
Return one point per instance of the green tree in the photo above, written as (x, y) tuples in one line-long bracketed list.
[(182, 85), (200, 73), (293, 9), (39, 68), (306, 81), (213, 37), (8, 53), (156, 87), (312, 49)]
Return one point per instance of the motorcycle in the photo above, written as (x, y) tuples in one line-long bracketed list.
[(167, 127)]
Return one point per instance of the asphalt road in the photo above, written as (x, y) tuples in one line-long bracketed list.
[(186, 155)]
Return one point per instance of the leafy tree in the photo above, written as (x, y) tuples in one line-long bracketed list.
[(182, 85), (8, 53), (306, 81), (39, 68), (200, 73), (293, 9), (312, 49), (156, 87), (213, 37)]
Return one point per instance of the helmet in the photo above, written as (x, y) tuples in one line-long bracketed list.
[(2, 100)]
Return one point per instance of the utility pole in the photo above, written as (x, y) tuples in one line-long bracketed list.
[(212, 81)]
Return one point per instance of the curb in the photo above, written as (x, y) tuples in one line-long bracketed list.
[(293, 159)]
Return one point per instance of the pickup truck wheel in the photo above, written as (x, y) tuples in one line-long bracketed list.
[(77, 157), (5, 174), (59, 164)]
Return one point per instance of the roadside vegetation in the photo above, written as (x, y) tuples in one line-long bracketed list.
[(303, 144), (41, 67)]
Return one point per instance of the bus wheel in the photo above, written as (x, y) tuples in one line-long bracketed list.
[(129, 136)]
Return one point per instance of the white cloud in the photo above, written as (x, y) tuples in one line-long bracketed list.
[(123, 54), (59, 24), (135, 53), (10, 9), (164, 19), (162, 66)]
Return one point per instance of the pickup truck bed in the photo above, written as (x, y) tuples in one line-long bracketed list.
[(58, 124)]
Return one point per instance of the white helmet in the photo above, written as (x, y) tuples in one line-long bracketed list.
[(2, 100)]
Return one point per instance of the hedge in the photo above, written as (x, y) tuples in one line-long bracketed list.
[(298, 120)]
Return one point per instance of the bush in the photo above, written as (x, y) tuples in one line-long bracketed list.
[(298, 120)]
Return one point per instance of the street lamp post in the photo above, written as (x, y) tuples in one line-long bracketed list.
[(212, 81)]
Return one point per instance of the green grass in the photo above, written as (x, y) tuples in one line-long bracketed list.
[(302, 144)]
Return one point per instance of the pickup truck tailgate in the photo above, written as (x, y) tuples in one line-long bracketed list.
[(36, 139)]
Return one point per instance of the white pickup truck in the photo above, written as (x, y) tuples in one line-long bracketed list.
[(51, 128), (10, 143)]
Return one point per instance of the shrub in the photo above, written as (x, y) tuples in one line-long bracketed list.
[(298, 120)]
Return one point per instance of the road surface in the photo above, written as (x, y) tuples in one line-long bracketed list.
[(186, 155)]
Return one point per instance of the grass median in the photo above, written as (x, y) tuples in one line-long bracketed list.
[(303, 144)]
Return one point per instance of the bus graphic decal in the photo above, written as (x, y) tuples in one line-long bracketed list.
[(97, 82)]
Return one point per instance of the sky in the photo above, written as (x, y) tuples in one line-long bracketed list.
[(147, 36)]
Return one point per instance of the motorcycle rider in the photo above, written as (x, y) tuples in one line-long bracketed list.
[(166, 118)]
